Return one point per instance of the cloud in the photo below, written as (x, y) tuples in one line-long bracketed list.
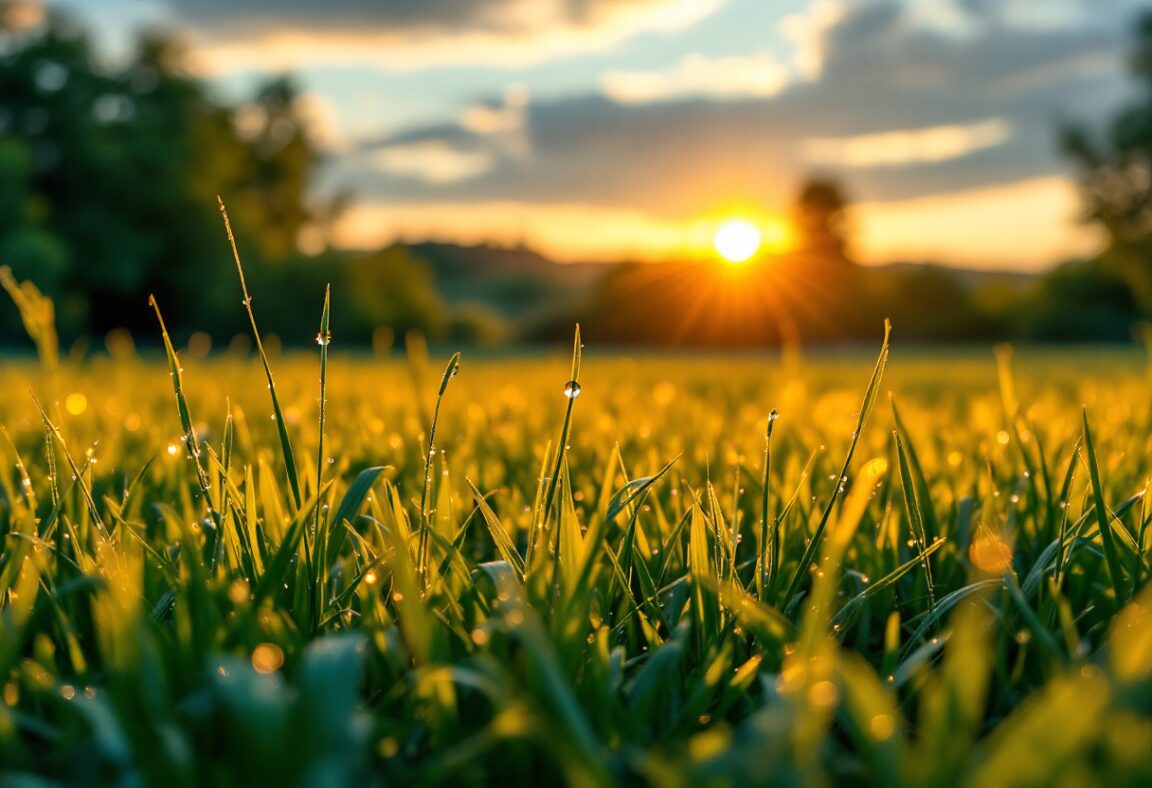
[(322, 119), (503, 124), (907, 146), (695, 75), (906, 112), (808, 30), (404, 35), (899, 110), (486, 134), (230, 18), (433, 162)]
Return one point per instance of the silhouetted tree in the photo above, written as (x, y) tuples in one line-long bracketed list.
[(1116, 176), (1078, 302), (818, 216)]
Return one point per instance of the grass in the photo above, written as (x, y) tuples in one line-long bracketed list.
[(717, 571)]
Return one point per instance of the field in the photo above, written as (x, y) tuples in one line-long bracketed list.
[(736, 570)]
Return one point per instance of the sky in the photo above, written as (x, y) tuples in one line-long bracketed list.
[(611, 129)]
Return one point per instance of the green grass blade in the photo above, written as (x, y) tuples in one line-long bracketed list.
[(912, 508), (1104, 520), (500, 538), (870, 394), (450, 371), (277, 412), (571, 391), (323, 339)]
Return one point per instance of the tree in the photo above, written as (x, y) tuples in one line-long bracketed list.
[(819, 218), (391, 288), (1077, 302), (109, 176), (1116, 177)]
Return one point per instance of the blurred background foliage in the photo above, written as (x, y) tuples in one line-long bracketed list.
[(108, 185)]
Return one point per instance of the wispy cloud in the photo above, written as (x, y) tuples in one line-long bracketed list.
[(907, 146), (403, 35), (899, 110), (759, 75), (503, 124), (808, 32), (431, 162)]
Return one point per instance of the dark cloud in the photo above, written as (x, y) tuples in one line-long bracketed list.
[(881, 73), (233, 18)]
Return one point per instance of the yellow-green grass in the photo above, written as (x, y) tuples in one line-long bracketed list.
[(615, 613)]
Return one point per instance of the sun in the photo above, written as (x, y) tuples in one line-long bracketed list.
[(737, 240)]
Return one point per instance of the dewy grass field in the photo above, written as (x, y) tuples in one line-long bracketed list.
[(686, 572)]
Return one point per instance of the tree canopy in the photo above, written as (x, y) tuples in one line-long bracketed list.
[(109, 175), (1116, 176)]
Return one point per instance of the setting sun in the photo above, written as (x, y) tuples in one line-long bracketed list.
[(736, 240)]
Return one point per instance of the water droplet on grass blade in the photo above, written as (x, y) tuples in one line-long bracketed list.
[(571, 389)]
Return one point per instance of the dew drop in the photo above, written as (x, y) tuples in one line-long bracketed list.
[(571, 389)]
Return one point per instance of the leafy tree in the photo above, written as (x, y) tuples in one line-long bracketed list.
[(819, 218), (1116, 176), (1078, 302), (109, 176), (391, 288), (25, 245)]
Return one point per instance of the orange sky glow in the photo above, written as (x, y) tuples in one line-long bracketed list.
[(937, 228)]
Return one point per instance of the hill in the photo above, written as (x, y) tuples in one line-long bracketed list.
[(517, 282)]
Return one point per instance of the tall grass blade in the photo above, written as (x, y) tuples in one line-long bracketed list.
[(277, 413), (912, 508), (422, 558), (1104, 519), (571, 391), (189, 438), (870, 394)]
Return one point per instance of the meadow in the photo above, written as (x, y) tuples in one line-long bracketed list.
[(881, 566)]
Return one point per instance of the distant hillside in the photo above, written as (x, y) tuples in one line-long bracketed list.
[(519, 293), (517, 282)]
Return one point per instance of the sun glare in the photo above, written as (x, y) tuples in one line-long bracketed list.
[(736, 240)]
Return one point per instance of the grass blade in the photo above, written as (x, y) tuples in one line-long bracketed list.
[(277, 412), (1103, 518), (870, 394)]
